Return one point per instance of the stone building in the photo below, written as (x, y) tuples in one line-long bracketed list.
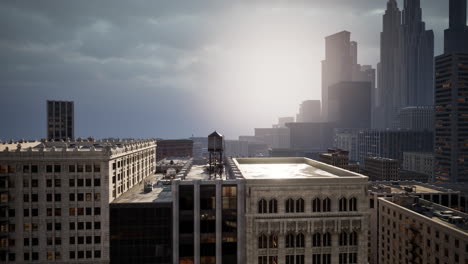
[(413, 230), (55, 196)]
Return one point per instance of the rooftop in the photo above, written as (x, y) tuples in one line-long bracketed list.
[(405, 187), (288, 168), (159, 194), (438, 213)]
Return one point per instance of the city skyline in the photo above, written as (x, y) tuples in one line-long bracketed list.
[(141, 70)]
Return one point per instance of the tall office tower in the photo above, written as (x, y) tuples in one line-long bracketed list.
[(55, 196), (417, 58), (456, 36), (337, 65), (349, 104), (60, 120), (416, 118), (451, 101), (389, 70), (309, 111)]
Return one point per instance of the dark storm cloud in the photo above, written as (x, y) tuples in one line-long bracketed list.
[(135, 68)]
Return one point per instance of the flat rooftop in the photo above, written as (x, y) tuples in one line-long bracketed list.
[(199, 172), (159, 194), (289, 168), (405, 187)]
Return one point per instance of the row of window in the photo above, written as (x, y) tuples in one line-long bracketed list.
[(51, 168), (58, 226), (57, 197), (343, 258), (34, 183), (318, 205), (298, 240)]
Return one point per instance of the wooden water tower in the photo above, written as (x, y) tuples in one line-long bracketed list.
[(215, 149)]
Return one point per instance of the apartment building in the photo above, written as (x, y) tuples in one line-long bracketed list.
[(55, 196)]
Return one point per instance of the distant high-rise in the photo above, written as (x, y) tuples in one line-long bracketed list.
[(309, 111), (417, 58), (349, 104), (389, 68), (416, 118), (451, 101), (60, 120), (283, 120), (337, 65), (456, 36)]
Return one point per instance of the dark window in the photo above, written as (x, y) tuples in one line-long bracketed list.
[(97, 182), (262, 206), (49, 168), (71, 168), (289, 205), (262, 241), (273, 206), (57, 168)]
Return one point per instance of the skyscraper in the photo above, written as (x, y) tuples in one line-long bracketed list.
[(60, 120), (350, 104), (337, 65), (417, 57), (389, 71), (451, 101), (456, 36)]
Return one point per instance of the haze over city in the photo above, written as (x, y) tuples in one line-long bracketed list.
[(175, 68)]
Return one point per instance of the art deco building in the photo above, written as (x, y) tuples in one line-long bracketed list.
[(55, 197)]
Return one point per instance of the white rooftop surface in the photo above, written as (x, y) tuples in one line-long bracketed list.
[(281, 171), (198, 172), (136, 194)]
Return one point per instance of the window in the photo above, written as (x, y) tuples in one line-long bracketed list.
[(88, 168), (72, 254), (88, 210), (48, 183), (34, 169), (97, 254), (72, 241), (97, 182), (316, 205), (343, 239), (327, 240), (80, 197), (88, 196), (71, 197), (300, 240), (316, 240), (316, 259), (353, 204), (262, 260), (327, 205), (290, 240), (352, 258), (80, 182), (97, 211), (25, 197), (57, 168), (97, 197), (79, 168), (342, 205), (57, 182), (289, 259), (97, 168), (71, 182), (300, 205), (289, 205), (88, 182), (299, 259), (49, 168), (262, 206), (273, 260), (273, 206), (71, 168), (57, 197), (97, 239), (273, 241), (343, 258), (71, 211), (34, 183), (353, 241), (262, 241), (97, 225)]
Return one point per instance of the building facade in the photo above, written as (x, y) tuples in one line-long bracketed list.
[(347, 139), (392, 143), (170, 148), (56, 195), (309, 111), (432, 233), (311, 136), (60, 120), (422, 162), (380, 189), (381, 169), (416, 118)]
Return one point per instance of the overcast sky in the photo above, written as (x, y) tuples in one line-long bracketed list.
[(171, 69)]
